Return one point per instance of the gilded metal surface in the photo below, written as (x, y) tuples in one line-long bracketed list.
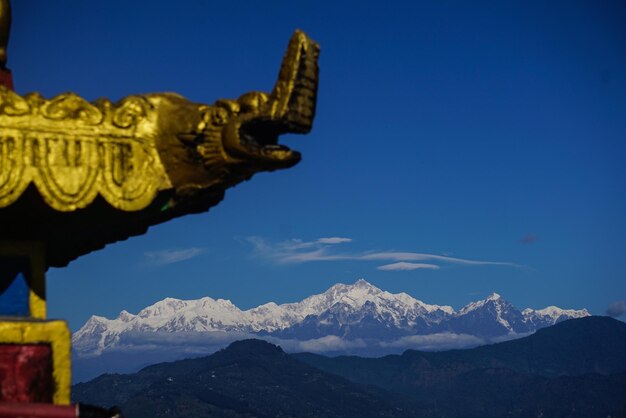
[(129, 152), (73, 151)]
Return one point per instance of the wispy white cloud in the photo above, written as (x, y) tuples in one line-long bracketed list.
[(297, 251), (333, 240), (444, 341), (169, 256), (434, 342), (326, 344), (408, 256), (404, 266), (293, 250)]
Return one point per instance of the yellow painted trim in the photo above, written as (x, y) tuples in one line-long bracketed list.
[(37, 297), (55, 333), (37, 306), (37, 285)]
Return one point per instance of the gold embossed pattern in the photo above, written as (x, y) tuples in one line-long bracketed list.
[(73, 151), (128, 152)]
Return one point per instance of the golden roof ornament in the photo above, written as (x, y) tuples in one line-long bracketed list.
[(77, 175)]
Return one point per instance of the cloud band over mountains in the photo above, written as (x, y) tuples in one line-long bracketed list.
[(296, 251), (208, 342)]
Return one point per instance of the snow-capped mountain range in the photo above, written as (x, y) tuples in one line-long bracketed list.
[(358, 312)]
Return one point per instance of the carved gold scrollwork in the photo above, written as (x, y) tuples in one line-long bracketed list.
[(130, 110), (69, 171), (13, 104), (71, 106), (127, 174), (11, 171), (73, 151)]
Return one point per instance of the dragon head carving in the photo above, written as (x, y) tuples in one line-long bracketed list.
[(242, 134), (255, 120)]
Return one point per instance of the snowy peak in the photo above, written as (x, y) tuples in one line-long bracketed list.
[(355, 295), (491, 317), (364, 295), (359, 292), (162, 308), (551, 315), (125, 316), (493, 299), (363, 283), (555, 312), (494, 316), (494, 296)]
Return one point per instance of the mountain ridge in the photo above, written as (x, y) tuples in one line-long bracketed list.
[(356, 318), (579, 371), (340, 311)]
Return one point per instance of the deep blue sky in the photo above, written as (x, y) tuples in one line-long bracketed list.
[(489, 131)]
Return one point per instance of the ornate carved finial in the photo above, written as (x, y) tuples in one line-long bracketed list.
[(77, 175), (143, 160)]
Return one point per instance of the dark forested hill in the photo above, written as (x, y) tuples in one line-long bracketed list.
[(578, 346), (250, 378), (573, 369)]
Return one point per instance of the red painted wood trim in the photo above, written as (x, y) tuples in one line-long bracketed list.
[(6, 78), (37, 410), (26, 373)]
